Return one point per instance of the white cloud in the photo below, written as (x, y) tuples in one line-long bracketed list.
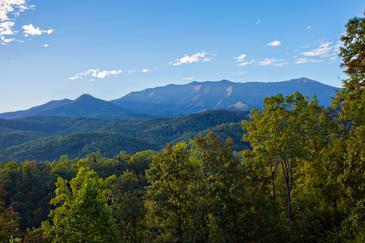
[(272, 62), (241, 57), (323, 49), (45, 45), (31, 30), (9, 11), (302, 60), (143, 70), (274, 43), (96, 74), (202, 56), (242, 61), (5, 41), (6, 28), (12, 8)]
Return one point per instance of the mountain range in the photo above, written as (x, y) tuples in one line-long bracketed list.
[(174, 100)]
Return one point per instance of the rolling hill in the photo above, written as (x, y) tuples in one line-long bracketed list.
[(47, 138)]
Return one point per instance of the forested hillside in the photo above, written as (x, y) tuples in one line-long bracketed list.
[(47, 138), (301, 180)]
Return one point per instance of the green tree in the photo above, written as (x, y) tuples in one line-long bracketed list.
[(82, 213), (287, 139), (351, 105), (225, 188), (9, 220), (173, 195), (140, 161), (128, 206)]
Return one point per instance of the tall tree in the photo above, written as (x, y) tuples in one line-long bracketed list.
[(173, 195), (351, 104), (9, 220), (82, 213), (284, 135), (225, 188), (128, 206)]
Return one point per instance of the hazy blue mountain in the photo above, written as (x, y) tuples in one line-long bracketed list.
[(174, 99), (36, 110), (84, 106)]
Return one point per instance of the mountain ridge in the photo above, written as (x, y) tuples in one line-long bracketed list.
[(179, 99), (200, 96)]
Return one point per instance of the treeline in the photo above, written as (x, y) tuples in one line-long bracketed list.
[(303, 180)]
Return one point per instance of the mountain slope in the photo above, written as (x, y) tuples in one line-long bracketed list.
[(74, 145), (36, 110), (173, 99), (87, 106), (84, 106)]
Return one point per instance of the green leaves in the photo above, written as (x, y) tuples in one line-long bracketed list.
[(82, 212)]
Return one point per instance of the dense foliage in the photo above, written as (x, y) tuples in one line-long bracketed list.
[(302, 180), (47, 138)]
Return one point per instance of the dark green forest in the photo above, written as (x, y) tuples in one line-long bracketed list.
[(47, 138), (301, 180)]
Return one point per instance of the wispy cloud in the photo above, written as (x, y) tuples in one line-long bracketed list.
[(325, 51), (302, 60), (242, 61), (274, 43), (97, 73), (258, 21), (272, 62), (31, 30), (202, 56), (143, 70)]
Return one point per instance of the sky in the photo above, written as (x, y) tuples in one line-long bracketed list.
[(61, 49)]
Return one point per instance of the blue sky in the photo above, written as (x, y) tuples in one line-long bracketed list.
[(62, 49)]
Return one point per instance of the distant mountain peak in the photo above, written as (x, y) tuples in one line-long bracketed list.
[(181, 99), (303, 80), (172, 100), (86, 97)]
